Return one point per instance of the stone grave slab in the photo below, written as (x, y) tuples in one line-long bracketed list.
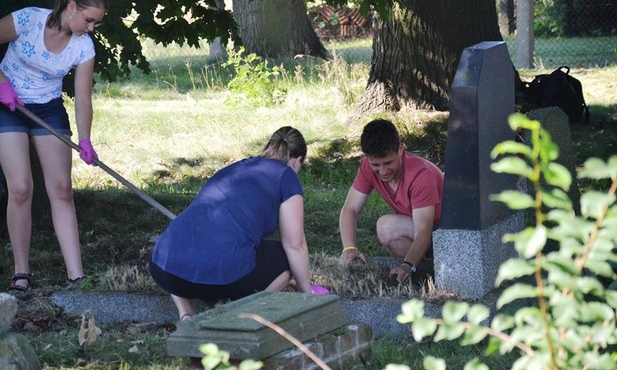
[(468, 247), (481, 100), (304, 316)]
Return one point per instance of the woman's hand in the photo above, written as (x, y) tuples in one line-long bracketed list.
[(87, 152), (8, 97), (316, 289)]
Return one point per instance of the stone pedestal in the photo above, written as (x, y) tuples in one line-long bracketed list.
[(467, 261)]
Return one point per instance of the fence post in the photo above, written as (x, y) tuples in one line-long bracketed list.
[(524, 34)]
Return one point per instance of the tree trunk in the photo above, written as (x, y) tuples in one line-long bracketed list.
[(506, 17), (417, 49), (276, 28)]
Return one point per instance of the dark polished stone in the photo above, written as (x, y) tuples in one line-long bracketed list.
[(481, 101)]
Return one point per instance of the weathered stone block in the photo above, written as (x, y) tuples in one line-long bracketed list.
[(467, 261), (8, 309), (16, 353), (304, 316)]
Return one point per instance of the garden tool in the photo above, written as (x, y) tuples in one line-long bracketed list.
[(96, 161)]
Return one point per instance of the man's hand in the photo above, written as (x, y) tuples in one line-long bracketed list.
[(402, 272), (352, 255)]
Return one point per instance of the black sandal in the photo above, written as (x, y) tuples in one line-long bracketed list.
[(74, 282), (17, 277)]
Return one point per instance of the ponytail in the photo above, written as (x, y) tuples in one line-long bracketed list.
[(56, 14), (286, 143)]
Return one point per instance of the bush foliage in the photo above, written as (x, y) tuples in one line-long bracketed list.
[(573, 324)]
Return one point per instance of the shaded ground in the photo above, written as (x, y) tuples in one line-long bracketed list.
[(37, 314)]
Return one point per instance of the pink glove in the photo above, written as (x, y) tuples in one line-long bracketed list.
[(87, 153), (316, 289), (8, 96)]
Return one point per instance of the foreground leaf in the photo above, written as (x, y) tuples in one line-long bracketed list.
[(88, 332), (516, 291)]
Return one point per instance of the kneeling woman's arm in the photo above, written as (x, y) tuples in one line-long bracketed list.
[(291, 226)]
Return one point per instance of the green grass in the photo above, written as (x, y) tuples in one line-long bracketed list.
[(590, 52), (169, 132)]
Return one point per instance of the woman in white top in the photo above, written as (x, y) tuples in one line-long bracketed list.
[(44, 45)]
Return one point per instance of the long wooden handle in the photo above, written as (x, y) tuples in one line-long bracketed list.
[(102, 165)]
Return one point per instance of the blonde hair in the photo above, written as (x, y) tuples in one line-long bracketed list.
[(61, 5), (286, 143)]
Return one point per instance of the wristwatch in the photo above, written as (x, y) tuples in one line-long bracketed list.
[(411, 265)]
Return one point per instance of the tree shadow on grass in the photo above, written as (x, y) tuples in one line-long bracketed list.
[(117, 228)]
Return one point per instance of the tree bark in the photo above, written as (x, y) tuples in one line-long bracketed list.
[(276, 28), (417, 49), (506, 17)]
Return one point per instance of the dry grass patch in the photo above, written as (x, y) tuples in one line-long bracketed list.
[(353, 281), (372, 280)]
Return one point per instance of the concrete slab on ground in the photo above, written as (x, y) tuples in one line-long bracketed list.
[(303, 316), (113, 307)]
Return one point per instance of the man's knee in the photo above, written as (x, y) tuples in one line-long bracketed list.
[(393, 227), (384, 229)]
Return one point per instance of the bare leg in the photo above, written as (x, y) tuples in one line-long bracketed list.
[(15, 162), (280, 282), (55, 158), (185, 306), (395, 233)]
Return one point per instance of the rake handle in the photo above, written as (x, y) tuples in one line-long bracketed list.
[(102, 165)]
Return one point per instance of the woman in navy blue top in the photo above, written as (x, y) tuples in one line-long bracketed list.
[(216, 249)]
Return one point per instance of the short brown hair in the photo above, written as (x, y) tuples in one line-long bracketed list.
[(379, 138)]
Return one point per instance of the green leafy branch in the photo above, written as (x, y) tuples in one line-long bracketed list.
[(573, 324), (255, 82)]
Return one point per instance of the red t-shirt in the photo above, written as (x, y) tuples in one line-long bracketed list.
[(420, 185)]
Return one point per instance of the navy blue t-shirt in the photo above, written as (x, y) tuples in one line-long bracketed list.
[(213, 241)]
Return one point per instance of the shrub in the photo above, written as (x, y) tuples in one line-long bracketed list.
[(255, 82), (573, 324)]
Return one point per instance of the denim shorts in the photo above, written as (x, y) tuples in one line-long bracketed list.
[(53, 113)]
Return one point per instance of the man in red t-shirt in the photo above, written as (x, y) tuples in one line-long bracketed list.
[(410, 185)]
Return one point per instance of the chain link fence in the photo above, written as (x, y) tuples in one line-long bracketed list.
[(566, 32)]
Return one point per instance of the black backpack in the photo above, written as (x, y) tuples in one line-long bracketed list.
[(558, 89)]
